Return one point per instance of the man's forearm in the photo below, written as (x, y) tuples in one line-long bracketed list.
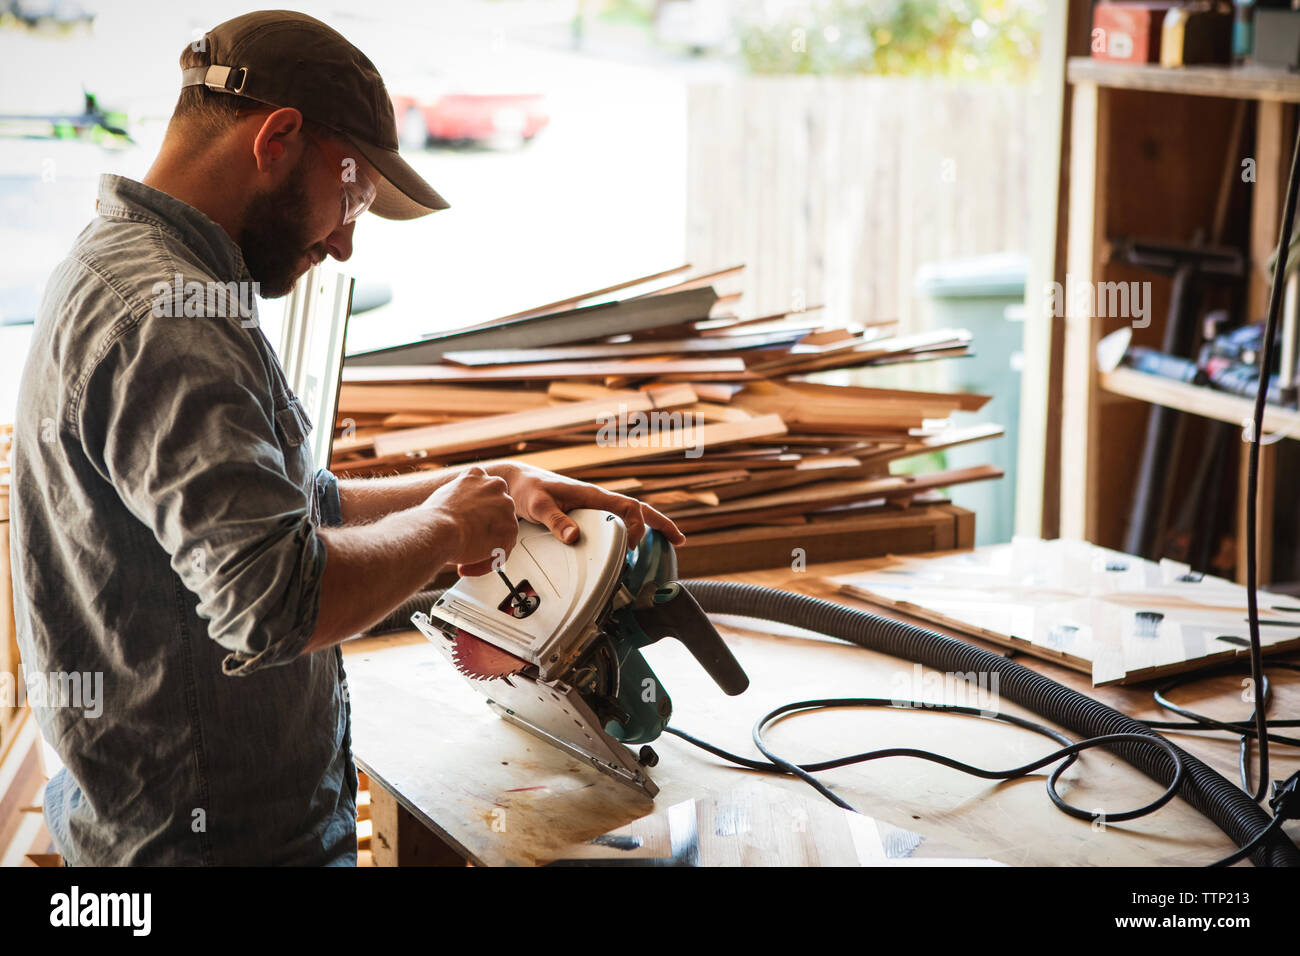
[(369, 499), (372, 568)]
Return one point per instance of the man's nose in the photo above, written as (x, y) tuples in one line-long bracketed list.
[(339, 242)]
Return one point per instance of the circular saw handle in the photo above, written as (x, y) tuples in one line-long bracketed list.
[(675, 613)]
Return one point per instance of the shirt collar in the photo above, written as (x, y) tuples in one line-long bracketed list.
[(123, 198)]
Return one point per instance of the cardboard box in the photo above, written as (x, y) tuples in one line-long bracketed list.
[(1128, 32)]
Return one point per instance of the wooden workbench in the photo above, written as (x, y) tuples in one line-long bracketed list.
[(489, 793)]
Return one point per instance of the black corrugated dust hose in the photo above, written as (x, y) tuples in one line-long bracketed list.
[(1203, 788)]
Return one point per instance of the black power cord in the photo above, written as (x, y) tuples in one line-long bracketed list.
[(1245, 729), (1278, 280), (1066, 756), (1285, 801)]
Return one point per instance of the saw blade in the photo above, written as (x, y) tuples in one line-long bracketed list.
[(481, 660)]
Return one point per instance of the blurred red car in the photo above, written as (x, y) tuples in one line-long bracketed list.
[(489, 119)]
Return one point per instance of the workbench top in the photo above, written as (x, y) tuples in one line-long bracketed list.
[(498, 796)]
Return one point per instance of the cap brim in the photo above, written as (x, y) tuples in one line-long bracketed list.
[(401, 192)]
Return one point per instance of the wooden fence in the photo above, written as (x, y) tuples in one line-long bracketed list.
[(834, 190)]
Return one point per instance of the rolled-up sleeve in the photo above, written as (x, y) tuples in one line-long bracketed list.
[(178, 415)]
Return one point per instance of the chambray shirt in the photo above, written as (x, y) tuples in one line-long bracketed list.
[(164, 515)]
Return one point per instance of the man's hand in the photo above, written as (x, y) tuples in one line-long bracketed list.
[(408, 528), (543, 497), (480, 517)]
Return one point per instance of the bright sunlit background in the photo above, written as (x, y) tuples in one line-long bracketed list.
[(862, 156)]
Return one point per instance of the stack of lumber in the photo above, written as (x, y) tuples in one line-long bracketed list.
[(666, 395)]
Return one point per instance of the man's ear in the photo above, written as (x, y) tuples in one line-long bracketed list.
[(276, 138)]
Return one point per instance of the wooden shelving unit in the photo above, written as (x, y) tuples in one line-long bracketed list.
[(1239, 82), (1150, 149), (1197, 400)]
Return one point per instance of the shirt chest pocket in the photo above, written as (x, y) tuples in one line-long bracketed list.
[(292, 428), (291, 420)]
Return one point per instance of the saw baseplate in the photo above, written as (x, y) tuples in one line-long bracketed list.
[(552, 711)]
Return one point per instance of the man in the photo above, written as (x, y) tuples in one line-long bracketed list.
[(171, 535)]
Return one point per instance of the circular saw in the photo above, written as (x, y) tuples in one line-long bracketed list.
[(553, 640)]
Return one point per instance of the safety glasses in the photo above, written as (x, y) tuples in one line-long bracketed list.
[(357, 196)]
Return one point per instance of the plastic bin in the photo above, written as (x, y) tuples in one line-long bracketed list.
[(986, 296)]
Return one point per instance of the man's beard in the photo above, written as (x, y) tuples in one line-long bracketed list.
[(274, 240)]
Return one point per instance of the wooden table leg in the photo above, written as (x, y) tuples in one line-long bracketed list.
[(398, 838)]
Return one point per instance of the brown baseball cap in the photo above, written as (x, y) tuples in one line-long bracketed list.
[(285, 58)]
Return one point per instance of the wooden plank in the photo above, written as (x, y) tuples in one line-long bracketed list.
[(515, 426), (854, 413), (712, 412), (567, 391), (388, 399), (867, 354), (617, 350), (623, 486), (810, 355), (776, 322), (409, 420), (699, 437), (363, 439), (949, 439), (675, 496), (718, 392), (648, 468), (544, 371), (702, 280), (836, 538), (701, 479), (557, 328), (576, 300), (809, 471), (832, 493), (965, 401)]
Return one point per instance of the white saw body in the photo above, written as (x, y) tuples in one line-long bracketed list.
[(553, 640)]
